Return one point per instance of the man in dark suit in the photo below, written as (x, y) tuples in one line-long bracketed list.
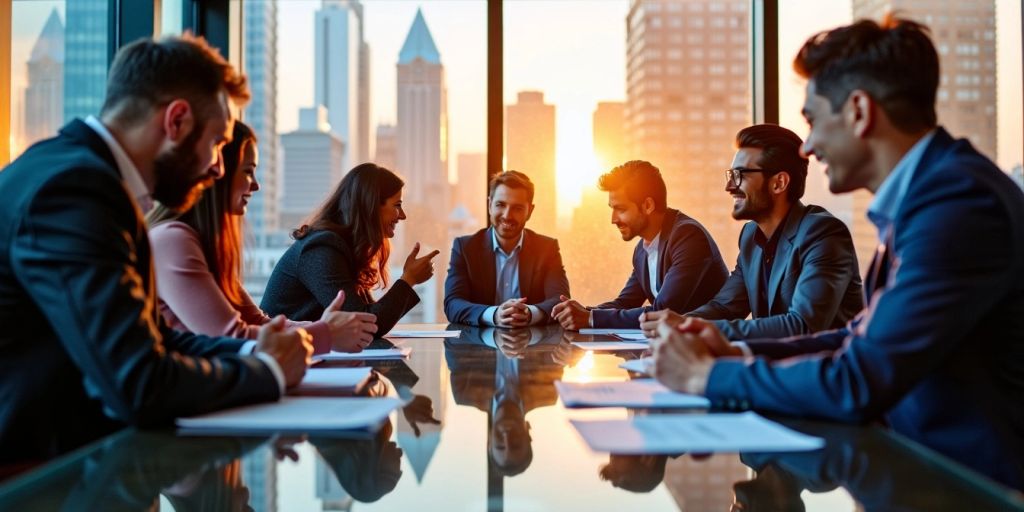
[(676, 264), (505, 275), (939, 352), (797, 270), (82, 348)]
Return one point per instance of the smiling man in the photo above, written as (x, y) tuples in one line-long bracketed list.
[(676, 264), (505, 275), (938, 355), (796, 272)]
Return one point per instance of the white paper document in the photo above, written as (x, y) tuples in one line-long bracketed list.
[(296, 414), (370, 354), (612, 332), (423, 334), (637, 365), (631, 336), (693, 433), (631, 393), (611, 346), (323, 381)]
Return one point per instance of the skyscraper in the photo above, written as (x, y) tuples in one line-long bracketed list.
[(85, 66), (610, 134), (687, 94), (260, 63), (44, 95), (530, 149), (422, 154), (341, 81), (470, 191), (386, 152), (964, 35), (312, 166)]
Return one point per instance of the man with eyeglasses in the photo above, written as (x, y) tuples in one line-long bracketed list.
[(797, 270)]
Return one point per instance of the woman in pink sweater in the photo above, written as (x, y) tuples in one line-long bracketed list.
[(197, 255)]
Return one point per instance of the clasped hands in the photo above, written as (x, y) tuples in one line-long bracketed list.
[(513, 313), (684, 349)]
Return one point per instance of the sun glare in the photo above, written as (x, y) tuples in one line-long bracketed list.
[(576, 164)]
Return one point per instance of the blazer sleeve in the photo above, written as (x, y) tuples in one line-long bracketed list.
[(827, 267), (75, 253), (324, 269), (556, 283), (946, 281), (457, 304)]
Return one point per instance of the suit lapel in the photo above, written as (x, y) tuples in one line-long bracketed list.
[(483, 251), (784, 251)]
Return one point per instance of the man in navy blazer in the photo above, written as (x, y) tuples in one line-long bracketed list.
[(505, 275), (796, 272), (83, 349), (676, 264), (938, 354)]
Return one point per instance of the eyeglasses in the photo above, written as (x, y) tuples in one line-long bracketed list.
[(734, 176)]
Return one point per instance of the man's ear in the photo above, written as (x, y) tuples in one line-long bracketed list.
[(529, 212), (780, 183), (859, 112), (647, 206), (178, 120)]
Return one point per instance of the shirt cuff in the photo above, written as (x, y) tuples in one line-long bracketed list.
[(247, 348), (744, 348), (536, 316), (274, 368), (488, 317)]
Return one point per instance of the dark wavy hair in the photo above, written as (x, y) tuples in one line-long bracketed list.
[(220, 231), (780, 152), (353, 212)]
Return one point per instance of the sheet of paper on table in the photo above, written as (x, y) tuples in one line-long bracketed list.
[(295, 414), (630, 393), (611, 346), (637, 365), (631, 336), (692, 433), (322, 381), (423, 334), (370, 354), (612, 332)]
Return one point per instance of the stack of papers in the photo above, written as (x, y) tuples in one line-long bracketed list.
[(370, 354), (322, 416), (694, 433), (632, 393), (332, 381), (423, 334), (611, 346), (622, 334)]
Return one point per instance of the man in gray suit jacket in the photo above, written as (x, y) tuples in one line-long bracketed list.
[(797, 270)]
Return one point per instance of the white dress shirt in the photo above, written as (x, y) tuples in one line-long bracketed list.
[(652, 263), (506, 266)]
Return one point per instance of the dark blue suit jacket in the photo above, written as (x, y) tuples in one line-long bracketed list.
[(83, 349), (814, 284), (469, 288), (939, 353), (690, 271)]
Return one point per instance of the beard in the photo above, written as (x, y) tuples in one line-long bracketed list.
[(179, 180), (754, 206), (634, 229)]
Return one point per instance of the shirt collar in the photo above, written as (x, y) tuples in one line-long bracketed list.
[(497, 247), (653, 246), (764, 241), (890, 195), (129, 173)]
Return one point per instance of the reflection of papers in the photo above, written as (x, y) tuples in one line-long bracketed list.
[(631, 336), (423, 334), (296, 414), (319, 381), (694, 433), (370, 354), (631, 393), (613, 332), (611, 346), (637, 365)]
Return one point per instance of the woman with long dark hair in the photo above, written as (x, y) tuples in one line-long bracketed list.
[(197, 256), (346, 245)]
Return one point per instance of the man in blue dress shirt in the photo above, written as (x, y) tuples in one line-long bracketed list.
[(938, 354)]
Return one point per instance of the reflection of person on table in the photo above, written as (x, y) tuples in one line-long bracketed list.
[(636, 473), (368, 468)]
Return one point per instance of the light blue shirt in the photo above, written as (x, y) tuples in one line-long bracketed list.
[(506, 266), (882, 211)]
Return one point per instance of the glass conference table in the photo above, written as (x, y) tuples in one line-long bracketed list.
[(484, 430)]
